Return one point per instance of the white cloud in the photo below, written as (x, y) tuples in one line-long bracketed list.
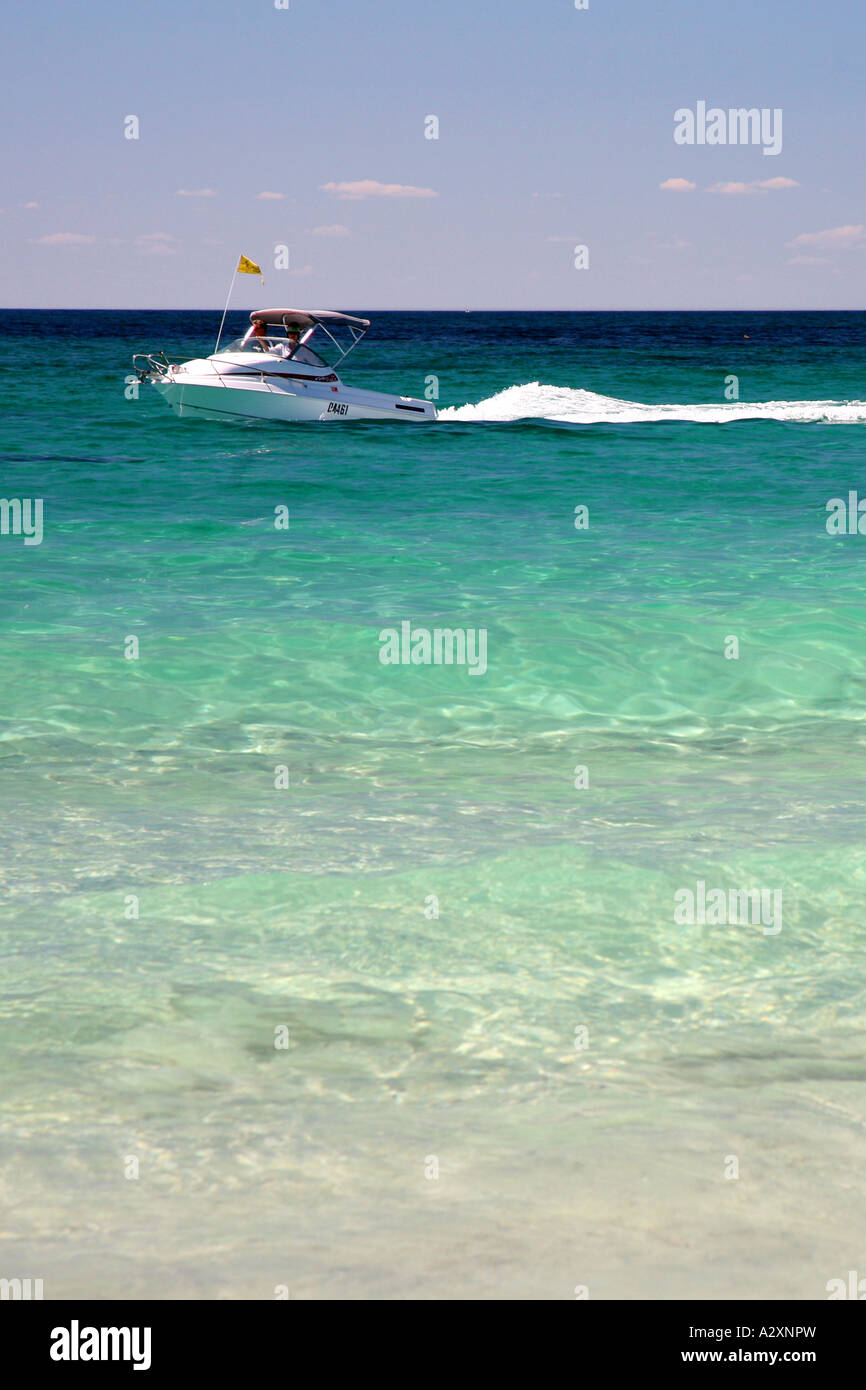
[(834, 238), (756, 186), (370, 188), (302, 270), (809, 260), (271, 196), (196, 193), (776, 183), (336, 229), (731, 188), (677, 186), (30, 206), (155, 244), (65, 239), (677, 244)]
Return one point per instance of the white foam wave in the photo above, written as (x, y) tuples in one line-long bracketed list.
[(534, 401)]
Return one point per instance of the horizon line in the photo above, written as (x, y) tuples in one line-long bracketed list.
[(210, 309)]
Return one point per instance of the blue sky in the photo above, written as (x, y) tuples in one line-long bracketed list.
[(555, 130)]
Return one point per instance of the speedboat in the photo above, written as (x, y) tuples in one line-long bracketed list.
[(268, 375)]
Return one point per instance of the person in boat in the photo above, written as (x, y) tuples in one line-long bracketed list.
[(260, 332), (296, 350), (287, 348), (284, 349)]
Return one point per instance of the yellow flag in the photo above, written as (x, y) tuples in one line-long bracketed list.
[(248, 267)]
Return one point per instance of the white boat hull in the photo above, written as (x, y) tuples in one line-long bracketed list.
[(208, 394)]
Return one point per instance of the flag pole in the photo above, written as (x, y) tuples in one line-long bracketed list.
[(226, 309)]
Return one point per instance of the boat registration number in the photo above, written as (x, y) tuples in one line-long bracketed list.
[(337, 408)]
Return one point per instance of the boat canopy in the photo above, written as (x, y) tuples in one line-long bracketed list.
[(307, 318)]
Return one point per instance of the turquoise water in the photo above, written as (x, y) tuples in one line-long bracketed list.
[(422, 789)]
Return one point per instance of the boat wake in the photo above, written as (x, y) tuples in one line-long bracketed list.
[(563, 405)]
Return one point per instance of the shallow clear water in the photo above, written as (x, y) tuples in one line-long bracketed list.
[(414, 1036)]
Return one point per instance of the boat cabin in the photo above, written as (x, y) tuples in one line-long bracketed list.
[(294, 329)]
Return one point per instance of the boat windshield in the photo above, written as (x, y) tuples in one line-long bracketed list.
[(306, 354), (280, 346), (239, 345)]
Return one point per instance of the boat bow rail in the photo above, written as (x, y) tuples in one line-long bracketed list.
[(157, 365)]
